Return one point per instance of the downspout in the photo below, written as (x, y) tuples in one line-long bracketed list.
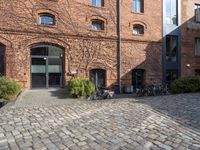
[(119, 45)]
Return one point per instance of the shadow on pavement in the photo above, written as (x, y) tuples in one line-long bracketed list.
[(60, 93), (184, 108)]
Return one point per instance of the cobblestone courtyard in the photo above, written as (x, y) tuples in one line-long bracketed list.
[(168, 122)]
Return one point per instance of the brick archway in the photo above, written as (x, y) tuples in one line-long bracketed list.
[(28, 44), (47, 66)]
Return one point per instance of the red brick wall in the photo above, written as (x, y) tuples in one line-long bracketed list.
[(19, 30), (142, 51), (189, 31)]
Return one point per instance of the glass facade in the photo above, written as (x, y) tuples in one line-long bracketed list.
[(171, 48), (171, 39), (171, 12)]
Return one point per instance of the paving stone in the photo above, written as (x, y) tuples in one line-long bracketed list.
[(168, 122)]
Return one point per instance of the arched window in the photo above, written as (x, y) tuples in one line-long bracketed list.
[(98, 3), (138, 29), (2, 60), (97, 25), (47, 19)]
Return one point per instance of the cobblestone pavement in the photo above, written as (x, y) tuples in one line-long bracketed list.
[(169, 122), (43, 97)]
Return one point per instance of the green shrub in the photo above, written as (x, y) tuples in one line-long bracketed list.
[(81, 87), (9, 89), (186, 85)]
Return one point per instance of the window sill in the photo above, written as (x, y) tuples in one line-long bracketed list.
[(47, 26), (97, 7), (100, 31), (141, 35), (137, 13)]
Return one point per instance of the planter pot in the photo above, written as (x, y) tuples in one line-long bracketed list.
[(3, 102), (83, 97)]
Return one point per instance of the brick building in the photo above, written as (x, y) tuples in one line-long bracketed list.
[(46, 43)]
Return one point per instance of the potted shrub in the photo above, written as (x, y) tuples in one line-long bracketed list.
[(9, 89), (81, 87)]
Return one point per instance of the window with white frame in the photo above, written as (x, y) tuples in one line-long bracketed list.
[(47, 19), (98, 3), (138, 6)]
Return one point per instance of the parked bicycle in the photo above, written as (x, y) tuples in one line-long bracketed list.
[(102, 93), (153, 90)]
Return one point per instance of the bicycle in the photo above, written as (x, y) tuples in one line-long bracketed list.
[(153, 90), (102, 93)]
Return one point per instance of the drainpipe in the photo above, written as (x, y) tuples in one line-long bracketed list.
[(119, 45)]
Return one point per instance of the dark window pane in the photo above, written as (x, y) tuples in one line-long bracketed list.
[(2, 60), (55, 51), (55, 72), (40, 51), (138, 29), (46, 50), (168, 40), (171, 75), (197, 72), (97, 25), (197, 47), (38, 72), (171, 48), (138, 78), (98, 76)]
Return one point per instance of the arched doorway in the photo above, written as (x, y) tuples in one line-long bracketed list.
[(46, 66), (138, 78), (2, 60), (98, 76)]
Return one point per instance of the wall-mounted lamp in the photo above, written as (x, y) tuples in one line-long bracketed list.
[(188, 65), (72, 73)]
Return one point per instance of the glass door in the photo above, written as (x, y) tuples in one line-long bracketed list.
[(46, 66), (55, 72), (38, 72), (98, 76), (138, 78)]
